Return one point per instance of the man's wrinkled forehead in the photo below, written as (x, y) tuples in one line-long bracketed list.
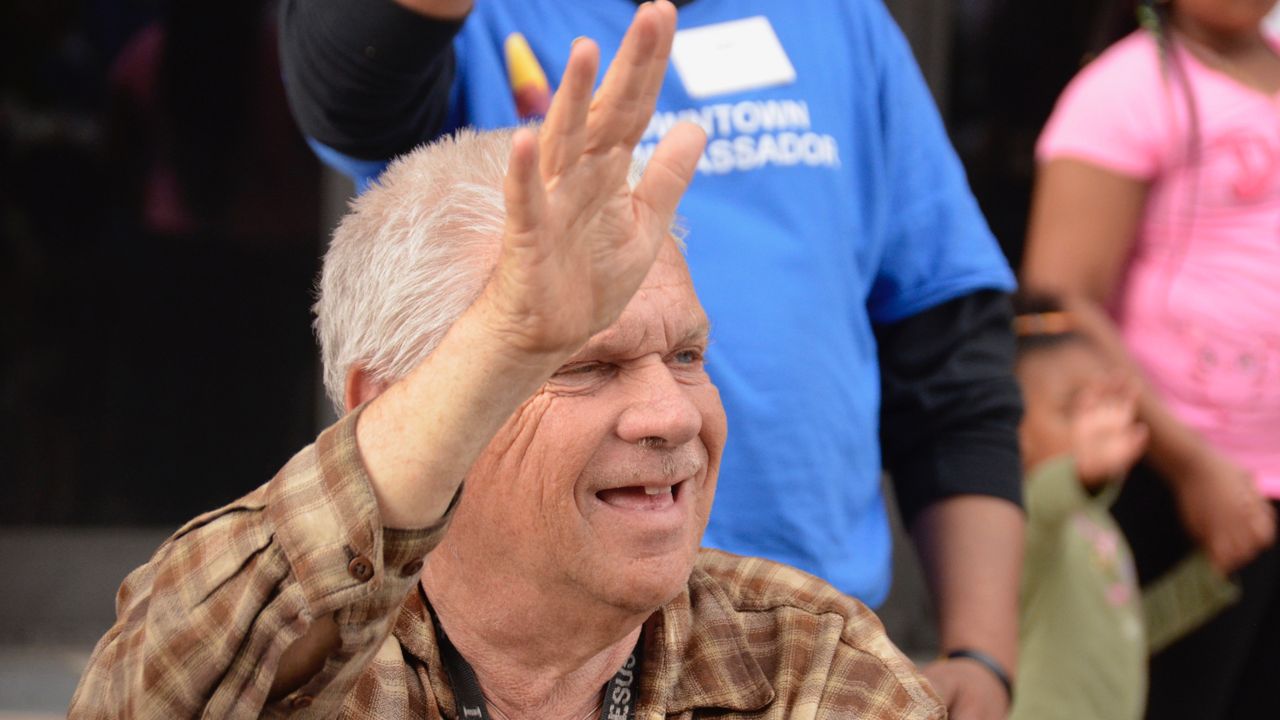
[(664, 315), (630, 340)]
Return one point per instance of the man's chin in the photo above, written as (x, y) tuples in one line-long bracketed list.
[(641, 586)]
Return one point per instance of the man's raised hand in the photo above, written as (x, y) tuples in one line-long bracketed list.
[(578, 240), (577, 244)]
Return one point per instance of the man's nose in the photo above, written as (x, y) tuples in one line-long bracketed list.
[(660, 410)]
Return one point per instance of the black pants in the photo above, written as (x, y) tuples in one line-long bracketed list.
[(1230, 667)]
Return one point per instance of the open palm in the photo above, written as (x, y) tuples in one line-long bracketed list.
[(1106, 436), (579, 240)]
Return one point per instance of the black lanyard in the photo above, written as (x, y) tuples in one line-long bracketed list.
[(619, 694)]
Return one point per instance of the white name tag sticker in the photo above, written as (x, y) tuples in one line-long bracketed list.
[(731, 57)]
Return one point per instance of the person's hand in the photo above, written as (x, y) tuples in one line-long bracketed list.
[(1223, 510), (576, 245), (578, 240), (1106, 437), (968, 689)]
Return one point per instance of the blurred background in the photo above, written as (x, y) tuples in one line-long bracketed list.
[(161, 221)]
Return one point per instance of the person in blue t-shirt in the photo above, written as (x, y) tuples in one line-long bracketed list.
[(858, 298)]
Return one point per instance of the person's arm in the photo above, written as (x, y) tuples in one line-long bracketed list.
[(1083, 221), (369, 79), (949, 420), (289, 593), (244, 605), (971, 550)]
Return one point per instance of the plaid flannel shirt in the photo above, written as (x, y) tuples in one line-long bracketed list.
[(200, 628)]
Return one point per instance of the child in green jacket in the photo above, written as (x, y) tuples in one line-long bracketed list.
[(1085, 628)]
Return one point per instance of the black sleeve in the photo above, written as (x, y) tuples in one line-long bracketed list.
[(950, 404), (368, 78)]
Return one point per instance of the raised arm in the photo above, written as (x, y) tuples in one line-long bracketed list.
[(1083, 222), (578, 243), (296, 586), (369, 79)]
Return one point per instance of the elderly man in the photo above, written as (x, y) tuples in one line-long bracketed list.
[(856, 291), (530, 327)]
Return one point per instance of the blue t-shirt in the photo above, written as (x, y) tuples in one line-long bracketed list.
[(821, 206)]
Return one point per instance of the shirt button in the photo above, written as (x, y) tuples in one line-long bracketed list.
[(360, 568), (411, 568), (300, 702)]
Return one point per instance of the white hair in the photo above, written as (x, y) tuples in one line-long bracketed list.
[(411, 254)]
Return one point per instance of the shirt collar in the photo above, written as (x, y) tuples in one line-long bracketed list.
[(698, 656), (417, 636), (695, 654)]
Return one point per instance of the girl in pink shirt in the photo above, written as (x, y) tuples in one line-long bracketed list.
[(1157, 213)]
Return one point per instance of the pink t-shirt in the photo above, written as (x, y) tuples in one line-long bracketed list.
[(1199, 305)]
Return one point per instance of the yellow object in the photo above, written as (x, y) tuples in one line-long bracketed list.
[(522, 67)]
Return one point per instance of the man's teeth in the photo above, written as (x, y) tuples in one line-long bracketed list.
[(657, 490)]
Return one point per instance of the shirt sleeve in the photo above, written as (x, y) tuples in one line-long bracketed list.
[(1053, 493), (367, 79), (200, 629), (937, 243), (1116, 112), (950, 404), (1184, 599)]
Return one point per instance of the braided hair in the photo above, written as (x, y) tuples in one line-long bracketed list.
[(1155, 17)]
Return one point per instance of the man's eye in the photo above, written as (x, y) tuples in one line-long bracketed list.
[(688, 357), (580, 369)]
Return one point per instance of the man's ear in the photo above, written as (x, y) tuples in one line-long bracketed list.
[(361, 388)]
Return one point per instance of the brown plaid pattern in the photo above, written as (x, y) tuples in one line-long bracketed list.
[(201, 627)]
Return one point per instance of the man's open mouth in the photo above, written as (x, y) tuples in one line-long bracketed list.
[(642, 497)]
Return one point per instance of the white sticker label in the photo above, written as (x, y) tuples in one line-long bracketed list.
[(730, 57)]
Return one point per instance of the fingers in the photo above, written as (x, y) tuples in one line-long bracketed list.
[(941, 676), (969, 691), (564, 133), (668, 173), (622, 107), (1115, 391), (1130, 387), (522, 188), (657, 71), (1139, 436), (1230, 548), (1263, 526), (1129, 445), (587, 142), (1250, 528), (1268, 518), (1223, 557), (1107, 450)]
